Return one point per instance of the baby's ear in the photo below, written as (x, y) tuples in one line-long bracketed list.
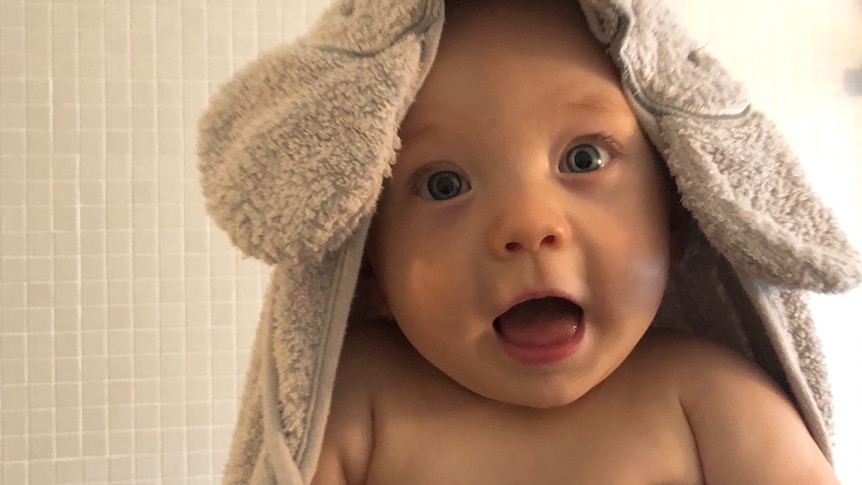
[(679, 222), (369, 292)]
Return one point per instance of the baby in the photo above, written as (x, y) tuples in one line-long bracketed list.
[(518, 257)]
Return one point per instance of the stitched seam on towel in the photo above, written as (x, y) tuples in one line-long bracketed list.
[(658, 108), (420, 27), (762, 295), (272, 423), (314, 396)]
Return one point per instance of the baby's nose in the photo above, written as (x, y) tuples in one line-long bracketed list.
[(528, 225), (527, 242)]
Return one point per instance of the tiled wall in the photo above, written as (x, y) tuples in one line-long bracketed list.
[(127, 318)]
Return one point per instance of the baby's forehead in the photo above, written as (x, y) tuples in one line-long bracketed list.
[(507, 61), (500, 36)]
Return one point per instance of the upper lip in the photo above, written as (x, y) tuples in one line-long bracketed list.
[(538, 294)]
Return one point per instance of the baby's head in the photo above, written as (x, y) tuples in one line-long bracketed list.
[(524, 240)]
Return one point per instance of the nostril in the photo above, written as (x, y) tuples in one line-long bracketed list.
[(549, 240), (512, 246)]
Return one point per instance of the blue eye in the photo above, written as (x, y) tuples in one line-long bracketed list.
[(584, 158), (445, 185)]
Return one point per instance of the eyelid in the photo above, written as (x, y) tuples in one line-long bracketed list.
[(420, 176), (602, 140), (607, 141)]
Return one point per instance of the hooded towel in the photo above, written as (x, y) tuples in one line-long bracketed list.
[(295, 148)]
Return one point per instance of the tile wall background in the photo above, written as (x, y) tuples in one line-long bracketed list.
[(126, 318)]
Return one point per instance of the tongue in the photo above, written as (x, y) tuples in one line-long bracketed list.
[(539, 323)]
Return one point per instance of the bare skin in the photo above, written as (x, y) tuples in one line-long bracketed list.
[(678, 411), (439, 397)]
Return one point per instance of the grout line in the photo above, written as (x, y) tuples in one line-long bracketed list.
[(185, 378), (104, 332), (79, 351), (131, 288), (26, 437)]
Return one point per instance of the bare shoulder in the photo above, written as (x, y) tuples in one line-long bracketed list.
[(375, 365), (745, 427), (370, 360)]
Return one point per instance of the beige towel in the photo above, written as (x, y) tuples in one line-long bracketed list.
[(294, 150)]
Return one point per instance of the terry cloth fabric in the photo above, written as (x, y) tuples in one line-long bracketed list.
[(295, 148)]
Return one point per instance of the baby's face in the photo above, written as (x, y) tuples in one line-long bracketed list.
[(522, 244)]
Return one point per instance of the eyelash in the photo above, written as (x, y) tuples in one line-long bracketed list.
[(419, 177), (608, 141)]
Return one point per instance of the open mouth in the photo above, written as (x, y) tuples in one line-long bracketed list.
[(540, 330)]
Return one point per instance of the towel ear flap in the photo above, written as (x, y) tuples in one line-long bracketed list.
[(735, 172), (749, 195), (294, 149)]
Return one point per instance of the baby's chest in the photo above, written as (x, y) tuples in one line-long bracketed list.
[(626, 444)]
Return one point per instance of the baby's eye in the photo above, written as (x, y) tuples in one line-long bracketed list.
[(444, 185), (584, 158)]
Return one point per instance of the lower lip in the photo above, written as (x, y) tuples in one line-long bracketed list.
[(533, 355)]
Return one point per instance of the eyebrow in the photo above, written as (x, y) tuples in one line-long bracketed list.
[(596, 101)]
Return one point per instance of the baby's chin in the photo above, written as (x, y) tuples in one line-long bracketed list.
[(547, 396)]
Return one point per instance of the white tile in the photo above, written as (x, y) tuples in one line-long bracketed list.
[(199, 389), (173, 391), (147, 391), (173, 415), (67, 319), (118, 240), (69, 472), (40, 346), (42, 472), (121, 442), (14, 143), (39, 370), (145, 316), (224, 388), (147, 467), (41, 422), (40, 448), (96, 467), (120, 367), (146, 342), (15, 448), (68, 446), (94, 445), (172, 364), (66, 243), (40, 269), (13, 472), (13, 373), (146, 366), (223, 363), (95, 420), (13, 423), (145, 240), (147, 417), (67, 294), (94, 393), (199, 417), (69, 421), (39, 396), (93, 292), (68, 397), (174, 465)]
